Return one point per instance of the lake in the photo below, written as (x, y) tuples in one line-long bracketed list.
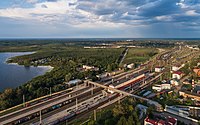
[(12, 75)]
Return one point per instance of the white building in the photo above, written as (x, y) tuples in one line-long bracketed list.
[(165, 86), (157, 88), (161, 87), (177, 75), (86, 68), (130, 66), (159, 69)]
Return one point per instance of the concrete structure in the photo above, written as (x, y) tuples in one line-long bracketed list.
[(156, 105), (177, 75), (161, 87), (159, 69)]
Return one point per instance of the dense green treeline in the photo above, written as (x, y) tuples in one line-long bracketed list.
[(65, 62), (124, 113)]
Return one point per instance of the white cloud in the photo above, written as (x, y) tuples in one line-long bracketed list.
[(32, 1), (51, 8), (191, 13), (163, 18), (97, 13)]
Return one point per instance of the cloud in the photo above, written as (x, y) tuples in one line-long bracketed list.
[(107, 13), (32, 1)]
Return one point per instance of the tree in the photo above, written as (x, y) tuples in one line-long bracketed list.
[(108, 122), (118, 110), (91, 122), (109, 68), (130, 120), (68, 77), (122, 121)]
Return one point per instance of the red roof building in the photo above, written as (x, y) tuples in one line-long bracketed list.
[(168, 121)]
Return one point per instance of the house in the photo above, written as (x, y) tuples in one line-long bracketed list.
[(159, 69), (177, 75), (160, 121)]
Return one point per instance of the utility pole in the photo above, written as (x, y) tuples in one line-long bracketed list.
[(40, 117), (23, 100)]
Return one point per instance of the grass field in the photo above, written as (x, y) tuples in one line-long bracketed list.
[(139, 55)]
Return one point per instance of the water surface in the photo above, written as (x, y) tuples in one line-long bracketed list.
[(12, 75)]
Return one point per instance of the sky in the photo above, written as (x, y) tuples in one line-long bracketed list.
[(99, 18)]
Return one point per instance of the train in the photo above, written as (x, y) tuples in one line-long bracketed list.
[(125, 85)]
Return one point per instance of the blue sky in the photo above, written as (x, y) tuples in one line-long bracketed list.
[(100, 18)]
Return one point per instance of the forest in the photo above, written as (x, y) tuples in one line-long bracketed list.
[(65, 63), (66, 59)]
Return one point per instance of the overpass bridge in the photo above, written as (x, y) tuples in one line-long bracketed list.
[(151, 102)]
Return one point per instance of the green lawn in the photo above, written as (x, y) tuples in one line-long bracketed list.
[(139, 55)]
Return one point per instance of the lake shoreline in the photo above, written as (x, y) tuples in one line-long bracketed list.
[(48, 67), (14, 75)]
